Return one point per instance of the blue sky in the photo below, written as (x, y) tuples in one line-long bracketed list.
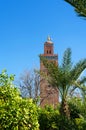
[(25, 25)]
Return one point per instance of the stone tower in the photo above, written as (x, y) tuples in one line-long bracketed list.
[(48, 94)]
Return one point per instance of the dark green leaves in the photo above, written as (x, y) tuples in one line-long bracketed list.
[(79, 5)]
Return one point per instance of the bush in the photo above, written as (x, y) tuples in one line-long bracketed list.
[(46, 118), (50, 119), (16, 113)]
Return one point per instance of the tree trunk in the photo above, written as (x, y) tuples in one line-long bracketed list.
[(64, 109)]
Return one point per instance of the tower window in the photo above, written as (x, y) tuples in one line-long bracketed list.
[(50, 51), (47, 51)]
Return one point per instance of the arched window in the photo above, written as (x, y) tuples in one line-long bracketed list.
[(50, 51)]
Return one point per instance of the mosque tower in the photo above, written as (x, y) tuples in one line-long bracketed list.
[(48, 94)]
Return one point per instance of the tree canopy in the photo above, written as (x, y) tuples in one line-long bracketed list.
[(16, 113), (65, 77), (79, 6)]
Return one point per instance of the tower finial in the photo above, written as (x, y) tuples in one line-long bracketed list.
[(49, 38)]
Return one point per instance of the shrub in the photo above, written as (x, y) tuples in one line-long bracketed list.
[(16, 113)]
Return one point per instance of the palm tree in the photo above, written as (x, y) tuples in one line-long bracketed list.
[(65, 77), (79, 5)]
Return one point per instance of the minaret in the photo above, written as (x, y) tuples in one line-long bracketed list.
[(48, 94)]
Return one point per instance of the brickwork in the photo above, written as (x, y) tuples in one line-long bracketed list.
[(48, 94)]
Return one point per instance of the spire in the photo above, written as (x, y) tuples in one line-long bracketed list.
[(49, 39)]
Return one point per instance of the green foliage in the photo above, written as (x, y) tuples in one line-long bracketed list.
[(77, 107), (50, 119), (74, 111), (79, 5), (47, 118), (16, 113), (78, 112), (65, 77), (81, 123)]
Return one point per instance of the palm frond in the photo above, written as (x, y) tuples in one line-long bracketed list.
[(66, 64), (79, 5), (77, 69), (82, 80)]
